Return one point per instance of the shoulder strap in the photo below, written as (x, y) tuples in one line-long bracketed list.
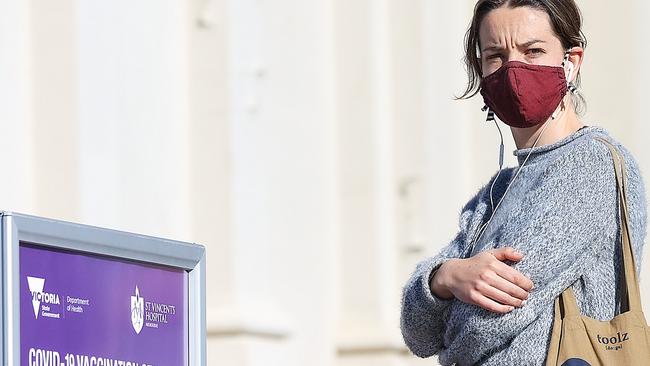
[(631, 279)]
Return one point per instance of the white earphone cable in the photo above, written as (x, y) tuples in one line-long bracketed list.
[(483, 228)]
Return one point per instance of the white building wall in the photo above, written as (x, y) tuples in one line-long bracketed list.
[(18, 181), (313, 147)]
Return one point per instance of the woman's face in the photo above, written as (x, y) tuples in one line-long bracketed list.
[(518, 34)]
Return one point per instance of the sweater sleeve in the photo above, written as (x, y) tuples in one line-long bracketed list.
[(421, 320), (562, 226)]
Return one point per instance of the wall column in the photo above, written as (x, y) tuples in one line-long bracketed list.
[(369, 325), (54, 103)]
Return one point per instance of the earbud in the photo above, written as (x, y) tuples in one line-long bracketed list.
[(570, 67)]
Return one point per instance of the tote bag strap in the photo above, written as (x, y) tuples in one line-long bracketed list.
[(631, 278), (632, 293)]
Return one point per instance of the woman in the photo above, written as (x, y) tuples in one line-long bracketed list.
[(534, 230)]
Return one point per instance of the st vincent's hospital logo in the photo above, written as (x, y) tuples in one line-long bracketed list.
[(150, 314), (137, 311)]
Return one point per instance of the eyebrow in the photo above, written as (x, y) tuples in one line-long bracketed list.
[(524, 45)]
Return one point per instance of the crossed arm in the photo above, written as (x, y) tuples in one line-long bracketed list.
[(560, 237)]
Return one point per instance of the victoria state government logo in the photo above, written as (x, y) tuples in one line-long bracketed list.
[(42, 300), (137, 311)]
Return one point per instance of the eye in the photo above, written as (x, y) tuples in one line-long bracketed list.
[(493, 56), (535, 52)]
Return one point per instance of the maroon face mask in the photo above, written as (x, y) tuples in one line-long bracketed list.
[(524, 95)]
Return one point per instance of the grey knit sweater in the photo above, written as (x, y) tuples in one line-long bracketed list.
[(561, 212)]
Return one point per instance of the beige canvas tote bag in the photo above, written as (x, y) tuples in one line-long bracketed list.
[(578, 340)]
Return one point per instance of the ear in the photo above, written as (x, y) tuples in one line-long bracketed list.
[(576, 55)]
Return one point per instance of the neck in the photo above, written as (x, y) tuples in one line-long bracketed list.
[(563, 125)]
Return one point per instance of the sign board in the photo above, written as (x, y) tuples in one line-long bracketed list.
[(75, 295)]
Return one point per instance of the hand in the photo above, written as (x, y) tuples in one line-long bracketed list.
[(484, 280)]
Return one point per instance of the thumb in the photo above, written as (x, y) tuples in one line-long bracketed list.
[(504, 254)]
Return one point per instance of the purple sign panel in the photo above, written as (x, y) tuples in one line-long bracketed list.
[(79, 309)]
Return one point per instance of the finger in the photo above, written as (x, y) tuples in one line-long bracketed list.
[(515, 294), (491, 305), (499, 296), (504, 254), (513, 276)]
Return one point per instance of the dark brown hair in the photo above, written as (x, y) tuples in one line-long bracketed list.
[(566, 21)]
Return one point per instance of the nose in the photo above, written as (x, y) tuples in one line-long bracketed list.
[(514, 55)]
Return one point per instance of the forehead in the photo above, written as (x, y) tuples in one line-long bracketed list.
[(517, 25)]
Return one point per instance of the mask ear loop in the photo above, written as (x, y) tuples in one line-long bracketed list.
[(570, 86)]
